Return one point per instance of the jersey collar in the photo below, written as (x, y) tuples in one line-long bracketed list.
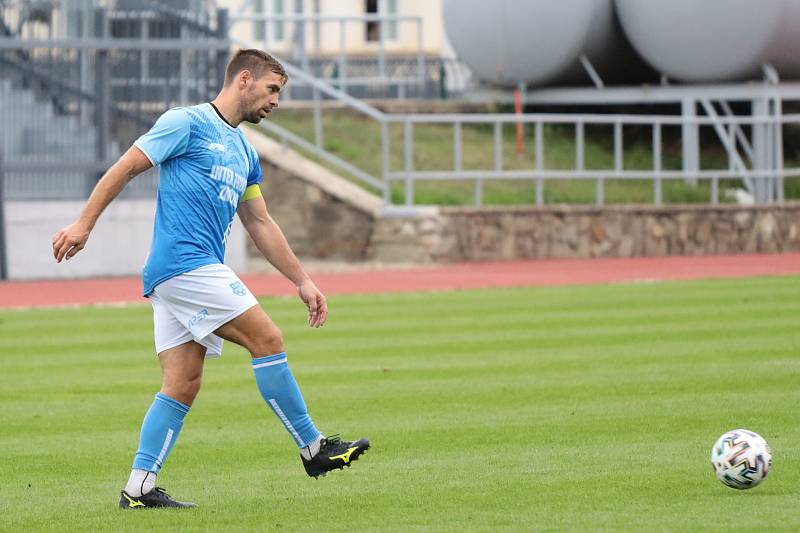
[(221, 117)]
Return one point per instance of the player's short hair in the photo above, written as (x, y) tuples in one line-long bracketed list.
[(256, 61)]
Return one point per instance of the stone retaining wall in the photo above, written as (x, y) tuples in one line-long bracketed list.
[(474, 234)]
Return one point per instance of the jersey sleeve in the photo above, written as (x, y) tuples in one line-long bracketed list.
[(168, 137), (256, 174)]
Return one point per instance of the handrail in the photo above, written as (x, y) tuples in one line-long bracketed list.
[(567, 118)]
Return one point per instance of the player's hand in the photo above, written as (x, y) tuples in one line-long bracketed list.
[(70, 240), (315, 301)]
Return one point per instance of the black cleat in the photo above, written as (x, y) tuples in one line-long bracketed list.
[(155, 498), (333, 454)]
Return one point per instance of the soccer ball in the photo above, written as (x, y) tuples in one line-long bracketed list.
[(741, 459)]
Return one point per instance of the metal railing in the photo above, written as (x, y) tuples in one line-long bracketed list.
[(77, 101), (752, 145), (764, 178)]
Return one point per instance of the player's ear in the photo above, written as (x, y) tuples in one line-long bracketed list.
[(245, 77)]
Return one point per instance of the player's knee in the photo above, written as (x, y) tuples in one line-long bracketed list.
[(269, 342), (184, 389), (192, 386)]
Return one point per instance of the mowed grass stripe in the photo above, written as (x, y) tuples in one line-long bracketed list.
[(570, 408)]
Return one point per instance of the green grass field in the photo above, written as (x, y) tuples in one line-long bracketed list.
[(579, 408)]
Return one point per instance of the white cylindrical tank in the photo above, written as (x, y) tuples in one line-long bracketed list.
[(714, 40), (506, 42)]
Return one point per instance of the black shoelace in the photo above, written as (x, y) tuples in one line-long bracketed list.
[(333, 442)]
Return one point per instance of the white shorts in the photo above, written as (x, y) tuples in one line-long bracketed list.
[(192, 305)]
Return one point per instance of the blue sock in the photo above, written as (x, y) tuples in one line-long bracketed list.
[(160, 430), (279, 389)]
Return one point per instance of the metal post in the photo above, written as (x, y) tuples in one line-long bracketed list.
[(657, 196), (300, 35), (385, 151), (3, 255), (498, 162), (457, 147), (342, 55), (714, 190), (183, 71), (222, 33), (102, 103), (408, 141), (85, 69), (102, 93), (382, 10), (318, 139), (779, 147), (144, 68), (539, 143), (760, 149), (690, 140), (420, 59), (579, 146)]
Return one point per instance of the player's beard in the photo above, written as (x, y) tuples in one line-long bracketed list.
[(248, 113)]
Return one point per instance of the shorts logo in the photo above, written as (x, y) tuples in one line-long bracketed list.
[(199, 317), (237, 288)]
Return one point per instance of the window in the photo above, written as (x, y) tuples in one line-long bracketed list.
[(260, 27), (391, 27), (373, 7), (278, 9), (373, 28)]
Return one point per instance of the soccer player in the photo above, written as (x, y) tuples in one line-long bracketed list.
[(208, 173)]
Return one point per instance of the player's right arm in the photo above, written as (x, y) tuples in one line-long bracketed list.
[(168, 138), (71, 239)]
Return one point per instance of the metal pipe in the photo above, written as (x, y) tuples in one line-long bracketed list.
[(779, 150), (539, 147), (586, 174), (3, 247), (366, 17), (690, 138), (420, 56), (342, 61), (408, 148), (609, 119), (385, 161), (457, 147), (318, 138), (657, 191), (714, 190)]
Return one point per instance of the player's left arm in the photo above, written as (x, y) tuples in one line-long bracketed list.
[(272, 244)]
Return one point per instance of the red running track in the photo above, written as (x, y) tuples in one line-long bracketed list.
[(542, 272)]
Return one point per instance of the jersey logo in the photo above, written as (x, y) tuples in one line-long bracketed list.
[(217, 147), (132, 502), (345, 456)]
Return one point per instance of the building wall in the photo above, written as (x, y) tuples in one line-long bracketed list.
[(328, 42), (118, 245)]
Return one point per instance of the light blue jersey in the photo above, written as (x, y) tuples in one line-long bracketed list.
[(206, 165)]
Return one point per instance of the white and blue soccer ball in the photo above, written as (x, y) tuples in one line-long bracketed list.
[(741, 459)]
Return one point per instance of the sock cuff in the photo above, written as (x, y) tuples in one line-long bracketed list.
[(268, 360), (172, 402)]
